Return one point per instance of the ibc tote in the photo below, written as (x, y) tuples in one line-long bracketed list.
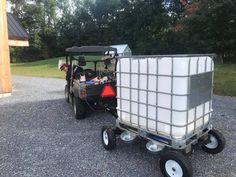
[(165, 95), (166, 100)]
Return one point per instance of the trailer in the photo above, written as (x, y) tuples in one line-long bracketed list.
[(167, 100)]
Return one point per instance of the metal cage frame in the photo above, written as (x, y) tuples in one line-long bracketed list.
[(189, 139)]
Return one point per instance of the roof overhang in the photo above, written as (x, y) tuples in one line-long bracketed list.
[(17, 35), (18, 43)]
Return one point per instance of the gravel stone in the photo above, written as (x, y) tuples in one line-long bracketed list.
[(39, 136)]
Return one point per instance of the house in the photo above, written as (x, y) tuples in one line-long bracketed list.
[(123, 50), (11, 34)]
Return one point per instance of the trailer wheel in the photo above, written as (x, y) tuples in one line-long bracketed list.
[(67, 94), (216, 144), (108, 138), (174, 164), (79, 108)]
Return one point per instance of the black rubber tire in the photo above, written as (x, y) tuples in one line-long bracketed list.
[(111, 137), (220, 140), (79, 108), (67, 94), (181, 159)]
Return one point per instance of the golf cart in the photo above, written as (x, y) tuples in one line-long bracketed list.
[(92, 80)]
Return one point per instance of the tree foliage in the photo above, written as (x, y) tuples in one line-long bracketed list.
[(148, 26), (212, 28)]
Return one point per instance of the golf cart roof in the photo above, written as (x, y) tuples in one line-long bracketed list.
[(90, 49)]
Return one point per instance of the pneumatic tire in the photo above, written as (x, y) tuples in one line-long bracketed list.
[(175, 164), (67, 94), (216, 142), (108, 138), (79, 108)]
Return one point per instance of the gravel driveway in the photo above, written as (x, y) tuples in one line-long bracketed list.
[(40, 137)]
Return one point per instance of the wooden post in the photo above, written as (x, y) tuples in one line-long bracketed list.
[(5, 72)]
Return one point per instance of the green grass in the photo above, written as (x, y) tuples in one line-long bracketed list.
[(224, 81), (47, 68), (43, 68)]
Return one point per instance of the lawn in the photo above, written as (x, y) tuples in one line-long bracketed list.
[(224, 81), (44, 68)]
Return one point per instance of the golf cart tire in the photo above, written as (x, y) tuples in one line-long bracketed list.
[(79, 108), (67, 94), (216, 144), (173, 163), (108, 138)]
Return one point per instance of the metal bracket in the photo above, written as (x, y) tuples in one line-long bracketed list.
[(112, 112)]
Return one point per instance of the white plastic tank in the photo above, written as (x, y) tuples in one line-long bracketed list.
[(167, 95)]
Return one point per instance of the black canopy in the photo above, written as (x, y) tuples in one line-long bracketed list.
[(91, 49)]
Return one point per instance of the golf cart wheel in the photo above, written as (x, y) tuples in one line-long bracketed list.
[(175, 164), (108, 138), (216, 142), (67, 93), (79, 108)]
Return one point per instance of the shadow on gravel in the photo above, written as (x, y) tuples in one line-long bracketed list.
[(49, 113), (44, 139)]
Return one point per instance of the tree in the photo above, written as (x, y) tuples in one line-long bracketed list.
[(148, 26), (39, 19), (211, 27)]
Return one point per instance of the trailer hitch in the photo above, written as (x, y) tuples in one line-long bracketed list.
[(112, 111)]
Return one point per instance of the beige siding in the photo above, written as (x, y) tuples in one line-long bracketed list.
[(5, 73)]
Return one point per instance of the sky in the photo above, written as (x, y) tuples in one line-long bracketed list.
[(8, 7)]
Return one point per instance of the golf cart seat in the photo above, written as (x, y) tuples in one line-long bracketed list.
[(77, 70), (89, 74)]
